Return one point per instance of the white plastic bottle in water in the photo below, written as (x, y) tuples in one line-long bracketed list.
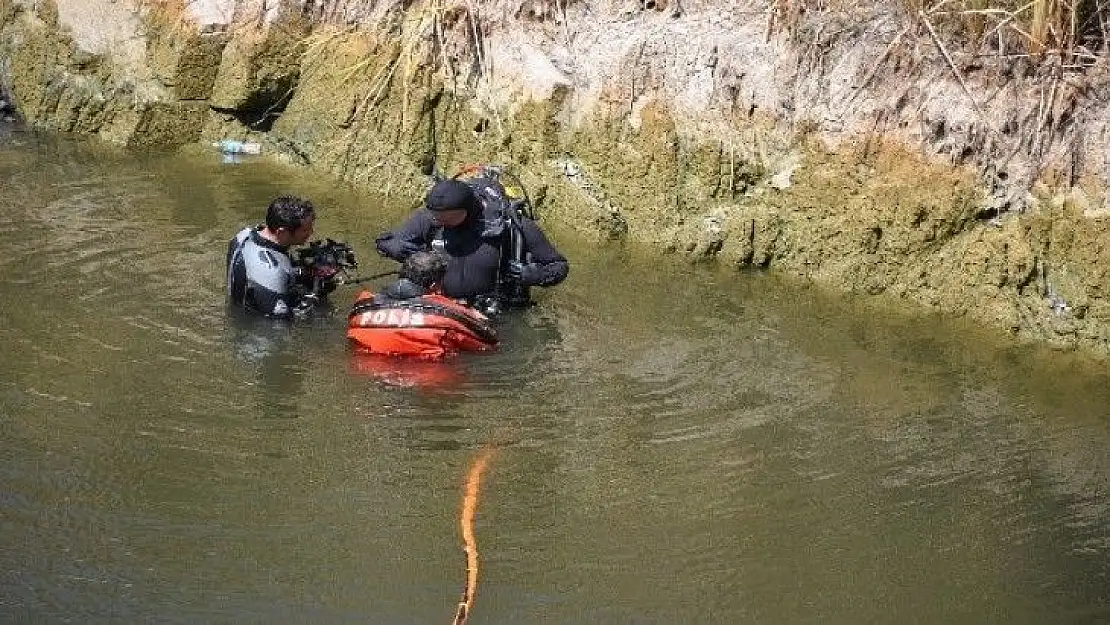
[(231, 146)]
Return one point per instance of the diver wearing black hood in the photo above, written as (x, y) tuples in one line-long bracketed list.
[(475, 238)]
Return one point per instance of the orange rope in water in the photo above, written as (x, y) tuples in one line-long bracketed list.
[(470, 545)]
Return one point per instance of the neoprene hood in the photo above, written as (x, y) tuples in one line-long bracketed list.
[(450, 194)]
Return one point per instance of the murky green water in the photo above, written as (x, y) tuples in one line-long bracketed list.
[(670, 444)]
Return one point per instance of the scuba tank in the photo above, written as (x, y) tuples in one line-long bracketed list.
[(495, 185)]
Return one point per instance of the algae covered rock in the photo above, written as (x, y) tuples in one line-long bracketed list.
[(259, 70), (187, 62)]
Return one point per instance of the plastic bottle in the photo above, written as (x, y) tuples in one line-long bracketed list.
[(231, 146)]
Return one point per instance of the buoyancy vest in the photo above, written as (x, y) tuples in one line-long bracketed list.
[(504, 202), (425, 326)]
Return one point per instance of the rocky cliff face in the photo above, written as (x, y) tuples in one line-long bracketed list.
[(854, 148)]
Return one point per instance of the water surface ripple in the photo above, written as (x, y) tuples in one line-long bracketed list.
[(671, 443)]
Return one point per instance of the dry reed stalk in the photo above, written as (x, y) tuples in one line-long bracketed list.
[(562, 8), (471, 13), (316, 41), (1073, 31), (951, 64), (1051, 115), (777, 18), (1043, 25), (1039, 25), (731, 169), (878, 63), (441, 43), (380, 81), (172, 13)]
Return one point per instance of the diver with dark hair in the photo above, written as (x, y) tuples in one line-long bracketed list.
[(412, 317), (261, 275), (420, 274), (494, 253)]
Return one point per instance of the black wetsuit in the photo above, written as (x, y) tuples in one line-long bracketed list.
[(474, 250)]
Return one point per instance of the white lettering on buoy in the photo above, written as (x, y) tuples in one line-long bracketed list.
[(393, 317)]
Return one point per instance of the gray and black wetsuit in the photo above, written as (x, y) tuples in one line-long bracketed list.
[(260, 275)]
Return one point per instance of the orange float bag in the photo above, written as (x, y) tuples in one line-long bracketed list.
[(430, 326)]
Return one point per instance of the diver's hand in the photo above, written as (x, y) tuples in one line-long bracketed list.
[(397, 249), (306, 306), (527, 274)]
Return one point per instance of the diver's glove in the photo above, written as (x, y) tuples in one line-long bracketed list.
[(305, 307), (397, 249), (526, 274)]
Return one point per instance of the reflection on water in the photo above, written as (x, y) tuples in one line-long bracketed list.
[(674, 444)]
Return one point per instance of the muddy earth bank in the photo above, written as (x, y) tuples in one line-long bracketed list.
[(862, 148)]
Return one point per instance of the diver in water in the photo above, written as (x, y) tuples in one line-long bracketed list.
[(412, 317), (261, 275), (494, 253)]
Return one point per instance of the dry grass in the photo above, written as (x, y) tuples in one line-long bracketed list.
[(170, 14), (1076, 30), (1021, 27), (421, 39)]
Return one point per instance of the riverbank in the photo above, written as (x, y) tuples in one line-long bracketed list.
[(864, 148)]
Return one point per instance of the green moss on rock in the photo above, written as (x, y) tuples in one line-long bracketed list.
[(260, 69), (185, 60)]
